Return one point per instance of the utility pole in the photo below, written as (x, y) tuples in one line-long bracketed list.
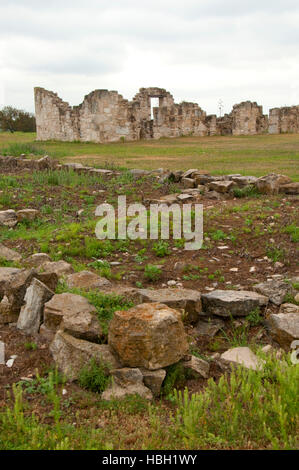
[(220, 107)]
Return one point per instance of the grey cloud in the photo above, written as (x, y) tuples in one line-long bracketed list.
[(123, 43)]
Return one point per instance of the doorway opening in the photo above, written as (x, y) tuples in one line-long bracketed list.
[(154, 104)]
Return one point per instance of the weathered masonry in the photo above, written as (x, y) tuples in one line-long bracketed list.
[(105, 116)]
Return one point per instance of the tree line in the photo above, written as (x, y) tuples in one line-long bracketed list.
[(13, 120)]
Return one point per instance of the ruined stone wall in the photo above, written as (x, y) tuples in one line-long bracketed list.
[(55, 119), (284, 119), (105, 116), (248, 119)]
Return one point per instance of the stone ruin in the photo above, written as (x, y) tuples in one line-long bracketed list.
[(105, 116)]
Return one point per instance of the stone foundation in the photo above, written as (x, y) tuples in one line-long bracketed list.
[(105, 116)]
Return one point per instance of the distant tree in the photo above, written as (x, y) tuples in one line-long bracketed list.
[(12, 120)]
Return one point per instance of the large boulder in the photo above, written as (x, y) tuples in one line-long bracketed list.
[(30, 317), (276, 290), (8, 218), (230, 302), (183, 299), (87, 280), (126, 382), (74, 314), (9, 255), (270, 184), (284, 328), (72, 354), (150, 335), (243, 356)]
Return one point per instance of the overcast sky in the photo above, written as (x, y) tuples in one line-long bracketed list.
[(199, 50)]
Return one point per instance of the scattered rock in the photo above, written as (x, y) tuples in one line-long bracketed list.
[(208, 328), (290, 188), (189, 173), (169, 199), (275, 289), (268, 349), (61, 268), (27, 214), (213, 195), (74, 314), (198, 366), (2, 353), (8, 218), (30, 317), (183, 299), (243, 356), (284, 328), (15, 288), (184, 197), (37, 259), (6, 316), (87, 280), (243, 181), (231, 302), (50, 279), (139, 173), (188, 182), (221, 186), (153, 379), (270, 184), (11, 361), (289, 308), (126, 382), (8, 254), (6, 275), (150, 335), (71, 354)]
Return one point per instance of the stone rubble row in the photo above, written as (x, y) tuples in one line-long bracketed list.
[(143, 340)]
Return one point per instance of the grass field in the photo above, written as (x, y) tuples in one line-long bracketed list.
[(256, 155), (234, 409)]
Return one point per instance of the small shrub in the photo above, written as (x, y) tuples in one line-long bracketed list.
[(248, 191), (175, 378), (30, 346), (275, 253), (293, 231), (218, 235), (152, 272), (94, 376), (254, 317), (161, 248)]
